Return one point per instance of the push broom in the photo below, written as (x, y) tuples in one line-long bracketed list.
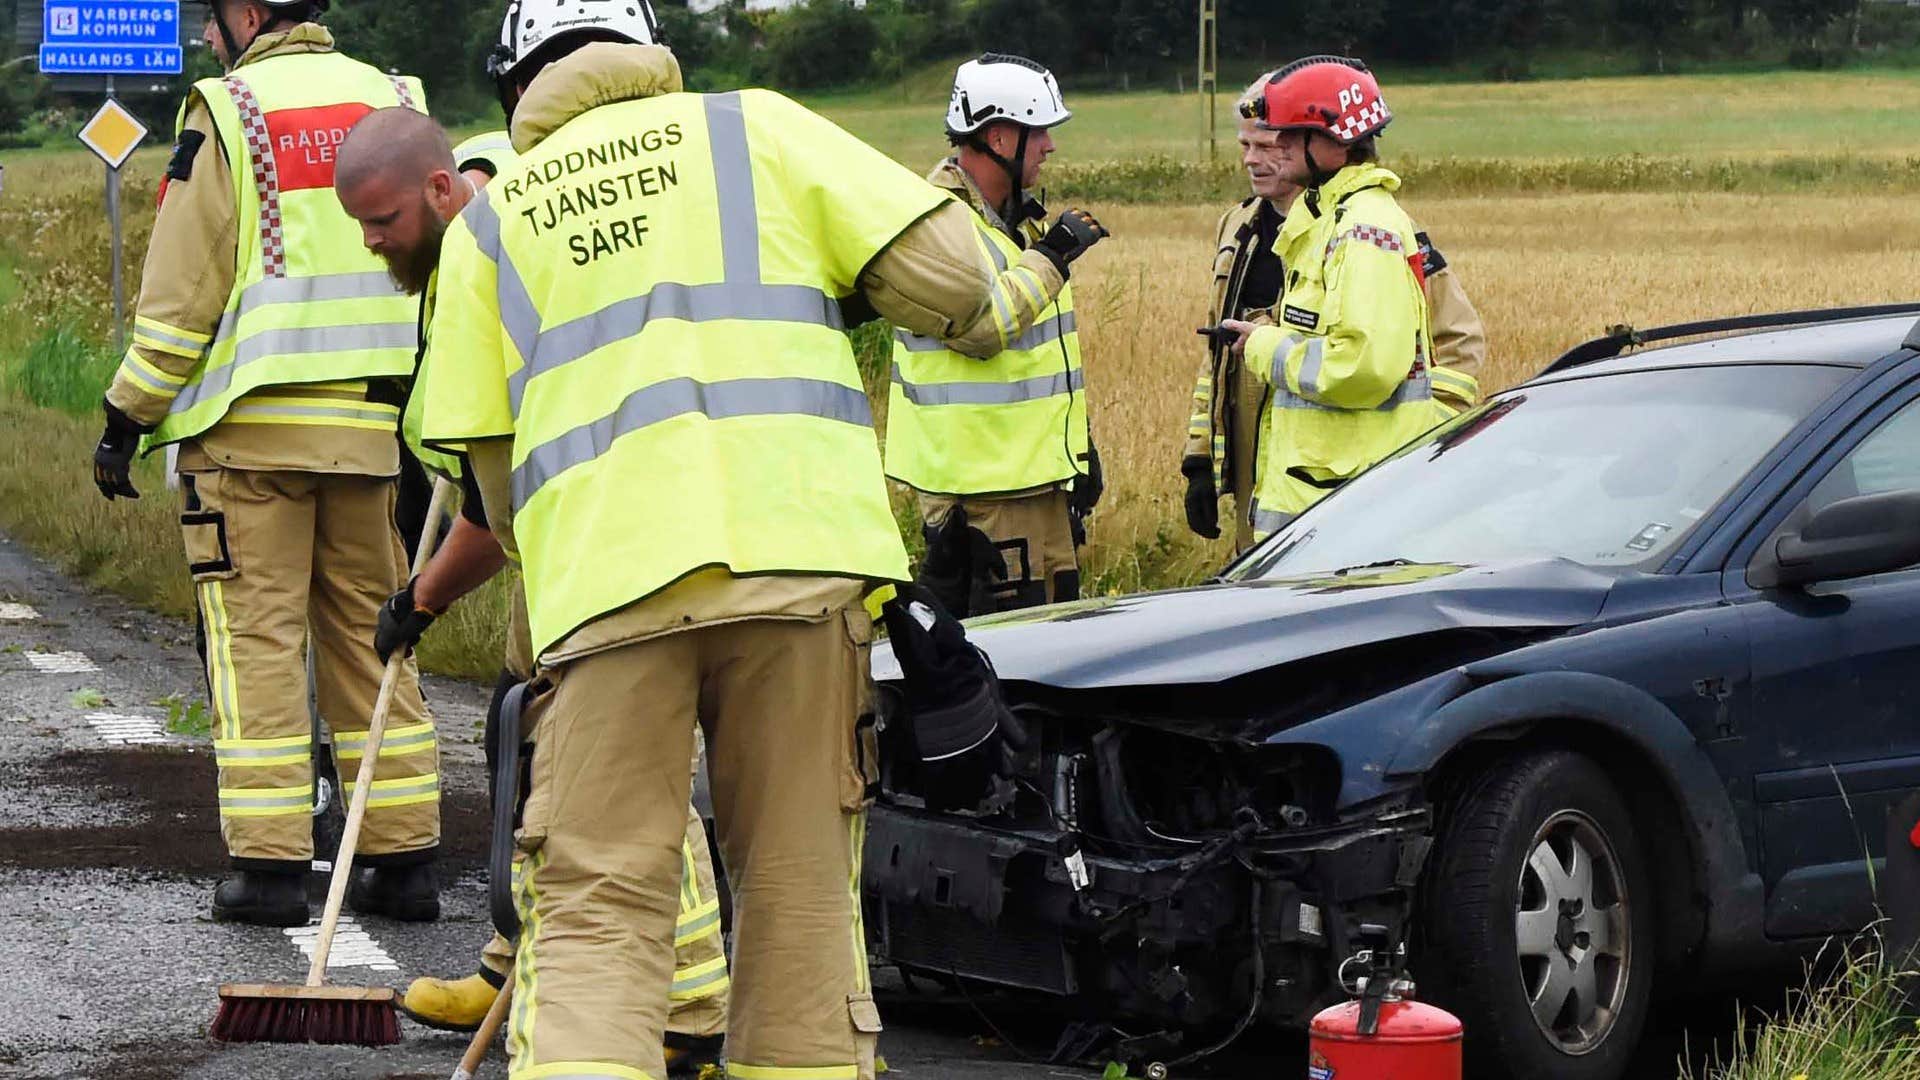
[(312, 1012)]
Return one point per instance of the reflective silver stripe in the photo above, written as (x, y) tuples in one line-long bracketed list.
[(733, 187), (225, 754), (518, 316), (265, 802), (682, 985), (345, 412), (1310, 365), (993, 249), (1278, 374), (376, 793), (678, 397), (623, 319), (690, 930), (1041, 333), (361, 285), (1268, 521), (392, 746), (740, 295), (294, 342), (991, 393), (142, 330), (1419, 388), (160, 387)]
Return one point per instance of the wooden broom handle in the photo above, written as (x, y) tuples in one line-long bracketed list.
[(363, 782), (483, 1037)]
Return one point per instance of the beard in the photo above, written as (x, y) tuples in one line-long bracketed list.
[(413, 268)]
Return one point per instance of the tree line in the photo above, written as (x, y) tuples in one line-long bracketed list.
[(1092, 44)]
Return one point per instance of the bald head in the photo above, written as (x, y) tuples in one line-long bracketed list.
[(395, 175), (399, 143)]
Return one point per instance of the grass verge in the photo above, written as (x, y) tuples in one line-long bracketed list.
[(1847, 1026)]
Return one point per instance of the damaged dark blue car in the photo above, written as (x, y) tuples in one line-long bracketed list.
[(1593, 693)]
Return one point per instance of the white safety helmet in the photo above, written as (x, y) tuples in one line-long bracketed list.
[(1002, 87), (531, 24)]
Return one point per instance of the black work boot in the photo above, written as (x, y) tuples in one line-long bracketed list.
[(406, 893), (263, 898)]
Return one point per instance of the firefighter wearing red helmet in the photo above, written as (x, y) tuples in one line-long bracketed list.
[(1350, 362)]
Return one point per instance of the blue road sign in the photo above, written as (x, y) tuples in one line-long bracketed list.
[(111, 37)]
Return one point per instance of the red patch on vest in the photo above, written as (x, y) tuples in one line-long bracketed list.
[(305, 142), (1419, 264)]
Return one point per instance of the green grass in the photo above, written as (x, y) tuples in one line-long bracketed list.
[(1867, 113), (1845, 1026), (63, 370)]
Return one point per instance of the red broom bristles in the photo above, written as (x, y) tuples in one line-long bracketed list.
[(291, 1020)]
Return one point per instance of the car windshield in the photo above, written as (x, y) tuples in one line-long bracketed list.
[(1605, 471)]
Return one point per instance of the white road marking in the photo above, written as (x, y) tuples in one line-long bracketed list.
[(61, 663), (127, 730), (352, 946), (17, 613)]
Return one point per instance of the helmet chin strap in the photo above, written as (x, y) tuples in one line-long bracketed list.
[(1016, 169), (1317, 176), (226, 33)]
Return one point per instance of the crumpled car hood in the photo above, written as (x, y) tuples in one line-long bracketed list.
[(1212, 633)]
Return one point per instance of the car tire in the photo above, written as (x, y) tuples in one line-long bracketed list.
[(1537, 921)]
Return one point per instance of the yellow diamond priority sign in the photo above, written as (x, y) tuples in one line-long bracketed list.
[(113, 133)]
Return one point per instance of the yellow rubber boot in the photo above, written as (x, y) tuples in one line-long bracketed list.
[(449, 1004)]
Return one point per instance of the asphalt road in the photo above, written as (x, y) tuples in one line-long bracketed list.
[(109, 851)]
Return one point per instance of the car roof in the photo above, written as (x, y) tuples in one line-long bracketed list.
[(1852, 343)]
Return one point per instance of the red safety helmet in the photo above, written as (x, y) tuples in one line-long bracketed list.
[(1334, 95)]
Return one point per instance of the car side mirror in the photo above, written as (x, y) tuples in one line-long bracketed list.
[(1867, 534)]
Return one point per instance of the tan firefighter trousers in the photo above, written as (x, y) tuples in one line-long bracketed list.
[(277, 557), (778, 701), (697, 1000)]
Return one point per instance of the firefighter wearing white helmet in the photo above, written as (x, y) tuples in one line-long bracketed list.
[(999, 453), (535, 30), (273, 350), (697, 317)]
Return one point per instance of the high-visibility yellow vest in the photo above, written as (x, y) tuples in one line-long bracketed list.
[(493, 152), (648, 305), (1351, 362), (309, 303), (961, 426)]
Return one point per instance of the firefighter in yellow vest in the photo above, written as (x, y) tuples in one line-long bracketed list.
[(399, 179), (272, 348), (998, 451), (1228, 401), (1350, 361), (665, 420)]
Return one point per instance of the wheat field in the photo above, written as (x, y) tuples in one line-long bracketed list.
[(1545, 273)]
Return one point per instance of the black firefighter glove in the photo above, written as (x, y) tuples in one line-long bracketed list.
[(402, 623), (113, 457), (1072, 234), (963, 733), (962, 565), (1203, 499), (1085, 495)]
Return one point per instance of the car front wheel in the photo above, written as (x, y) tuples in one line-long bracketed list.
[(1537, 921)]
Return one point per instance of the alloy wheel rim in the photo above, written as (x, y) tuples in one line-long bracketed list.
[(1572, 933)]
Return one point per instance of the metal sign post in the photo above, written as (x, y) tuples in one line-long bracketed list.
[(1209, 75), (112, 135)]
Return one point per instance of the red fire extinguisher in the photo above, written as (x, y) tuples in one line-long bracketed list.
[(1385, 1035)]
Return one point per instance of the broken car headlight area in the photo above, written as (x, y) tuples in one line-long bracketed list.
[(1140, 873)]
